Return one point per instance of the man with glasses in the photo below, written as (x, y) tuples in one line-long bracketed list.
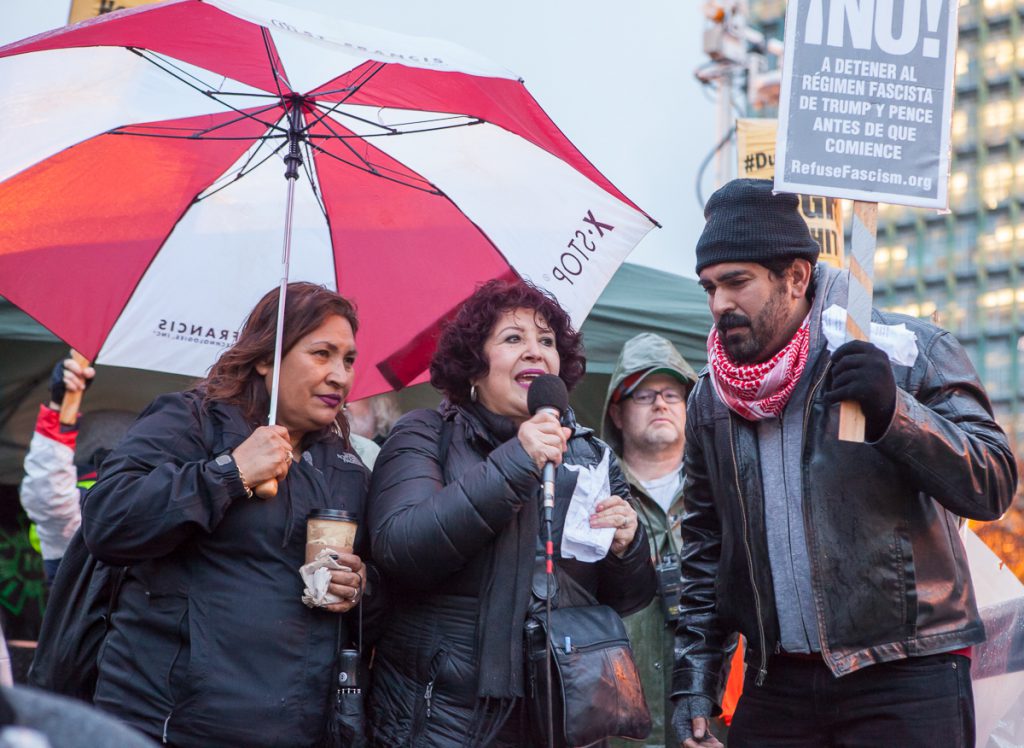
[(644, 422)]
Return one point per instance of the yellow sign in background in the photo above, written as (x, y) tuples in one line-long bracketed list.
[(82, 9), (755, 148)]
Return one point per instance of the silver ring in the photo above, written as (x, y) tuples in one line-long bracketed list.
[(291, 456)]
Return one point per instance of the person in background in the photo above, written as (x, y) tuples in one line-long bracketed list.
[(374, 417), (644, 423), (455, 525), (371, 420), (210, 643), (839, 561), (61, 463)]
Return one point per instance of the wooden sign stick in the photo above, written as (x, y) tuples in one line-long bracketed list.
[(72, 400), (858, 304)]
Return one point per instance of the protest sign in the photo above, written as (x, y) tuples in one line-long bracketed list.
[(866, 101), (82, 9), (755, 147)]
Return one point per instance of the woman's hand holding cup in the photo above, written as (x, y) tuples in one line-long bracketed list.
[(347, 585), (544, 439)]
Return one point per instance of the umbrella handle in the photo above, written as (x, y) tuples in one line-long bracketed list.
[(69, 405), (267, 489)]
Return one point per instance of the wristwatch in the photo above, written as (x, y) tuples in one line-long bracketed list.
[(227, 466)]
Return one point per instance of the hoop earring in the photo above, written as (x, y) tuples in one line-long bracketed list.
[(472, 393)]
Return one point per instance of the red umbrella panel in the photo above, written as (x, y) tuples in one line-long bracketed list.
[(148, 179)]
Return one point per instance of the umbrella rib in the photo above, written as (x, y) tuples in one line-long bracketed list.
[(307, 167), (355, 87), (176, 72), (377, 173), (349, 90), (344, 141), (152, 57), (205, 132), (366, 165), (357, 136), (189, 137), (393, 129), (369, 167), (322, 115), (241, 172), (270, 59)]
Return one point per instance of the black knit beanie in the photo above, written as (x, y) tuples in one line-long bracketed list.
[(747, 223)]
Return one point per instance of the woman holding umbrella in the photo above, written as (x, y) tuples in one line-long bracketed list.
[(210, 643), (454, 520)]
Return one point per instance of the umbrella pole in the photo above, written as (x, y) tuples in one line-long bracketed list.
[(292, 162), (286, 251)]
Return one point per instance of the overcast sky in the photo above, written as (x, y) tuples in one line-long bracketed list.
[(616, 77)]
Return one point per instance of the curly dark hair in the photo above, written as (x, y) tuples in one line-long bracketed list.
[(459, 357), (233, 377)]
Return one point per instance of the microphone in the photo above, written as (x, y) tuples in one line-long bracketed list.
[(547, 394)]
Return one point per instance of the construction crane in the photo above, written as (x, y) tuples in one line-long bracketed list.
[(738, 56)]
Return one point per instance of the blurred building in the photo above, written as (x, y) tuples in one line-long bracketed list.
[(963, 270)]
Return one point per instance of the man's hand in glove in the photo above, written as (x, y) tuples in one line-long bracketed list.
[(690, 719), (861, 372), (68, 376)]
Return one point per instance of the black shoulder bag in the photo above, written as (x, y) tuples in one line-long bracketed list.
[(596, 690), (82, 599), (81, 602)]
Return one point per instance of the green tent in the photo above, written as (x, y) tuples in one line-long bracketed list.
[(638, 299)]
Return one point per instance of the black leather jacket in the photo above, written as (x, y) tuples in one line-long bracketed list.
[(888, 569)]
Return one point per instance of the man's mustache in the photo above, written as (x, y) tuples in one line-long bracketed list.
[(730, 320)]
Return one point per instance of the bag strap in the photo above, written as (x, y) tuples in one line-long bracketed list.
[(445, 441)]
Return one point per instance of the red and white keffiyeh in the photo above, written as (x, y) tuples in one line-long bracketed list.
[(758, 391)]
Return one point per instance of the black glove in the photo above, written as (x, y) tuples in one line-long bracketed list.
[(57, 383), (861, 372), (57, 389), (685, 709)]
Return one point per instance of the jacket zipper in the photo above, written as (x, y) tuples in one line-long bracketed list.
[(808, 529), (170, 689), (420, 724), (763, 671)]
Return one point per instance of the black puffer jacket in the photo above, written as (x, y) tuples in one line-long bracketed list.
[(888, 570), (210, 644), (430, 539)]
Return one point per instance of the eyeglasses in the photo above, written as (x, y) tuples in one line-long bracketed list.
[(670, 395)]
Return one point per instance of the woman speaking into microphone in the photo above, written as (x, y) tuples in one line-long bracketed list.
[(454, 515)]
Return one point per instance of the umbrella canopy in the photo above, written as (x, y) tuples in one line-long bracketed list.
[(638, 299), (143, 183)]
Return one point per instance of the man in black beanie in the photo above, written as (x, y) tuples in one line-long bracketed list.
[(839, 562)]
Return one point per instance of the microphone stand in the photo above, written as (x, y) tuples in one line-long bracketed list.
[(549, 568), (546, 392), (549, 559)]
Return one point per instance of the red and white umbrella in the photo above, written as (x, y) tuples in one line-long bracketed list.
[(143, 204)]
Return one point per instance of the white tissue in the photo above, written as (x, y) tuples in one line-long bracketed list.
[(316, 575), (899, 343), (579, 539)]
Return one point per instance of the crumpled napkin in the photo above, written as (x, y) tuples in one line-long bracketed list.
[(579, 539), (316, 575), (899, 343)]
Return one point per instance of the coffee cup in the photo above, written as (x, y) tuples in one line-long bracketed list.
[(330, 528)]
